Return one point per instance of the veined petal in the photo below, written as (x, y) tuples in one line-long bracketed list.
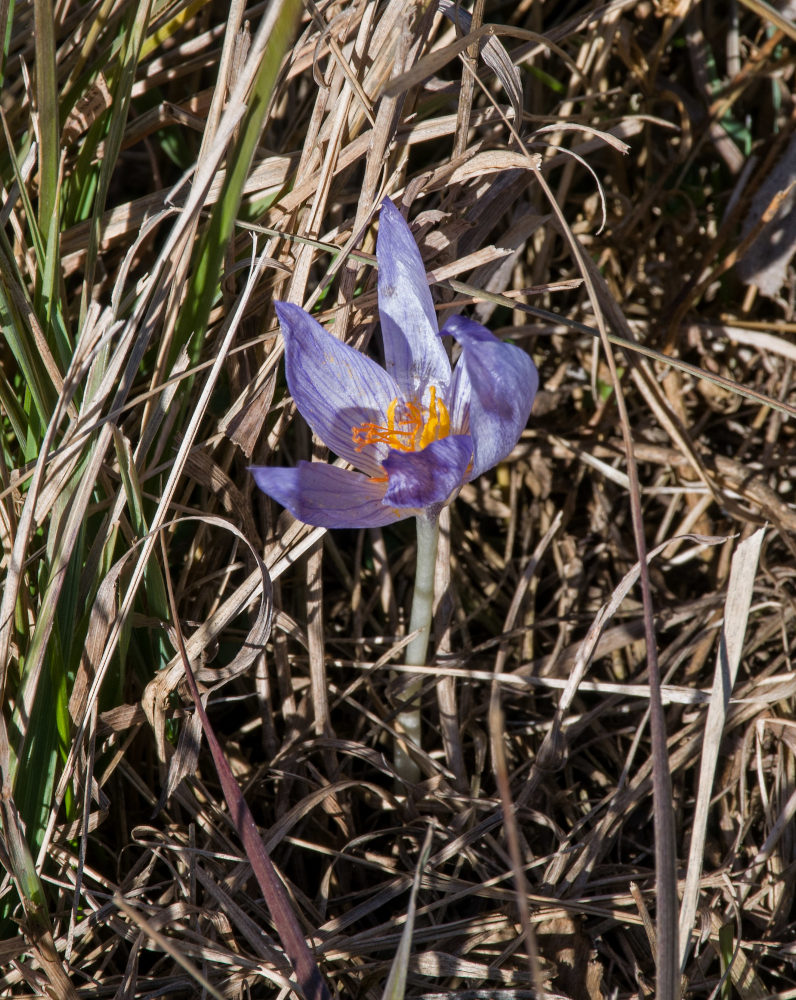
[(428, 478), (335, 386), (327, 495), (413, 353), (502, 382), (460, 392)]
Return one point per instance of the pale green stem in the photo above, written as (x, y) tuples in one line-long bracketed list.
[(420, 623)]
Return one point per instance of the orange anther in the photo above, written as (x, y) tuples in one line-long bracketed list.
[(409, 426)]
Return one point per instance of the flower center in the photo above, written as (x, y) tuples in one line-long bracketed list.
[(409, 427)]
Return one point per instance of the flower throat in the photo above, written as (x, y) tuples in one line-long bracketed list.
[(409, 426)]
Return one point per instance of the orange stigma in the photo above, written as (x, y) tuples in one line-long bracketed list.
[(409, 426)]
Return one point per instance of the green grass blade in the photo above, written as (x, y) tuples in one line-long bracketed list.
[(6, 21), (214, 243), (16, 315), (10, 406), (157, 599), (121, 85)]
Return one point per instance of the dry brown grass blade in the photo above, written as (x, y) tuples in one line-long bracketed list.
[(406, 46), (493, 54), (433, 62), (126, 219), (497, 737), (731, 641), (769, 13)]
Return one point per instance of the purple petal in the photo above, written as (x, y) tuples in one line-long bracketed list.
[(460, 393), (501, 381), (326, 495), (335, 387), (428, 478), (413, 353)]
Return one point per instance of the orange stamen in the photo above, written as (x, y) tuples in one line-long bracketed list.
[(410, 430), (438, 424)]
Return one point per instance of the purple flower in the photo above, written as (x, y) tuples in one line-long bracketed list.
[(416, 430)]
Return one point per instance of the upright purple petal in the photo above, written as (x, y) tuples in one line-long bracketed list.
[(502, 382), (413, 353), (459, 402), (335, 386), (327, 495), (428, 478)]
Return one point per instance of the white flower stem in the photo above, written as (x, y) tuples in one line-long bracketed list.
[(419, 622)]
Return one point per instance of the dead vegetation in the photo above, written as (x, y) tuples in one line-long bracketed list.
[(658, 138)]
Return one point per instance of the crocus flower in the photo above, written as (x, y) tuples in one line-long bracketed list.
[(415, 429)]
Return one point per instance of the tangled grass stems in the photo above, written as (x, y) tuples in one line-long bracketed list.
[(135, 389)]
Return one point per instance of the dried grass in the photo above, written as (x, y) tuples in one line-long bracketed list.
[(129, 417)]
